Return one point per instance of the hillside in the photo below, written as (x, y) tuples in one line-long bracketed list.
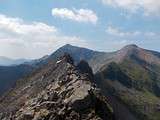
[(133, 77), (129, 78), (10, 74), (59, 91), (4, 61)]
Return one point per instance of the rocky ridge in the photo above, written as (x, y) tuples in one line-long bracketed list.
[(70, 95)]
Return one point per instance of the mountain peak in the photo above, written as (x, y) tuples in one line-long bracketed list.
[(129, 49), (67, 45), (131, 46)]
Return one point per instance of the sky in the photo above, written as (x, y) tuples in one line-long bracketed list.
[(34, 28)]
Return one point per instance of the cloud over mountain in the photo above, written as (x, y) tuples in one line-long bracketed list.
[(22, 39)]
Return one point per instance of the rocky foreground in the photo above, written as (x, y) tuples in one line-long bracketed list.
[(59, 91)]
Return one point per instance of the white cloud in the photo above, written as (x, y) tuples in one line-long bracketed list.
[(149, 7), (81, 15), (31, 40)]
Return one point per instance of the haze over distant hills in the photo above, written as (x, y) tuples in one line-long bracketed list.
[(5, 61), (129, 78)]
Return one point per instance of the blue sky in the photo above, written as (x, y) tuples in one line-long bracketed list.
[(33, 28)]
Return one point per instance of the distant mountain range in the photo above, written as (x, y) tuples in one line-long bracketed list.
[(4, 61), (129, 78)]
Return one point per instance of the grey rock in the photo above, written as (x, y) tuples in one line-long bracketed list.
[(69, 97)]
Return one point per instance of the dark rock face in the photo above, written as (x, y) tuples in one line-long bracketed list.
[(84, 68), (66, 57), (70, 95)]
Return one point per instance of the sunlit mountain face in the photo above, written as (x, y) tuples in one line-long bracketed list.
[(79, 60)]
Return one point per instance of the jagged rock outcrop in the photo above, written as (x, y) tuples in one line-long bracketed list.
[(84, 68), (66, 93)]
